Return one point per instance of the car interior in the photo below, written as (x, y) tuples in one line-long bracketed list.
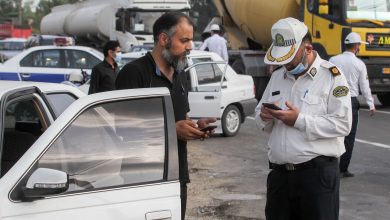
[(23, 124)]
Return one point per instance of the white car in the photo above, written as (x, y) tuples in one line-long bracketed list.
[(110, 155), (228, 96), (49, 63), (10, 47)]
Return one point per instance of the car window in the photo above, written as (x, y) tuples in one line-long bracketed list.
[(60, 101), (22, 126), (78, 59), (111, 145), (207, 73), (43, 58)]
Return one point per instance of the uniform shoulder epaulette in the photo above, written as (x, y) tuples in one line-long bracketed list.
[(332, 68)]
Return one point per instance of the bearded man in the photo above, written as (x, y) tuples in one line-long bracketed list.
[(163, 67)]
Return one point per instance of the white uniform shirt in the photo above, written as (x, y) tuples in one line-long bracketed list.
[(216, 44), (355, 72), (325, 114)]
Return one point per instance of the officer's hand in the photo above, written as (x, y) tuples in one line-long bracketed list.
[(265, 114), (288, 116), (372, 112), (188, 130)]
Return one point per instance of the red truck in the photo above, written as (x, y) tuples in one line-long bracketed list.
[(8, 30)]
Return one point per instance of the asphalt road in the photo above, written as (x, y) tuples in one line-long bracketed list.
[(228, 175)]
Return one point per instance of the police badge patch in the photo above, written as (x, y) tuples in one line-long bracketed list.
[(340, 91), (313, 72)]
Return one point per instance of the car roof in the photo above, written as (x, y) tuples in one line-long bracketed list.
[(14, 40), (6, 86)]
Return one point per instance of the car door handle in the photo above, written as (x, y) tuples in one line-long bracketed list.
[(25, 75), (209, 97), (160, 215)]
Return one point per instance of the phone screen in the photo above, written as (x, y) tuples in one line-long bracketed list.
[(271, 106), (208, 128)]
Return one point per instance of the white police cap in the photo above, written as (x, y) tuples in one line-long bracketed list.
[(287, 35), (353, 38)]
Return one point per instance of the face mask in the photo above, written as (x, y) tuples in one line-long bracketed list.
[(300, 67), (118, 57)]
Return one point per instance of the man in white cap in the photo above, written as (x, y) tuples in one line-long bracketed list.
[(305, 141), (216, 43), (355, 72)]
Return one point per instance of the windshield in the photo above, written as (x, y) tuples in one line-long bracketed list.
[(368, 10), (8, 45), (142, 22)]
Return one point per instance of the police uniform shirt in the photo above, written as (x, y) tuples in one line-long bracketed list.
[(216, 44), (322, 97), (103, 77), (355, 71), (143, 73)]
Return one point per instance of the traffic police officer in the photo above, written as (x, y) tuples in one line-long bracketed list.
[(305, 139), (355, 71)]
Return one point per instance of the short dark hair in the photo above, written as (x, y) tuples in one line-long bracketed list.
[(167, 23), (110, 45), (307, 38), (349, 46)]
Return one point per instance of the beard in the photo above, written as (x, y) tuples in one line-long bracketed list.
[(178, 62)]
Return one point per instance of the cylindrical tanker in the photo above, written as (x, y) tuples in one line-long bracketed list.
[(256, 17)]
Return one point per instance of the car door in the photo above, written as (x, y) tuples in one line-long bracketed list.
[(107, 156), (46, 65), (205, 93)]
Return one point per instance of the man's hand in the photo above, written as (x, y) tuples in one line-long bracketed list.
[(188, 130), (372, 112), (204, 122), (288, 116)]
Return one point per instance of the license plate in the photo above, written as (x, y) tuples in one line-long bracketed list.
[(386, 70)]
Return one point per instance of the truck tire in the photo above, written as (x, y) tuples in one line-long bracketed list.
[(231, 121), (384, 98)]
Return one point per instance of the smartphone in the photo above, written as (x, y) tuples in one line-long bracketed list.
[(271, 106), (209, 128)]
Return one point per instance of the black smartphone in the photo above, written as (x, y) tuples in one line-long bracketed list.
[(271, 106), (208, 128)]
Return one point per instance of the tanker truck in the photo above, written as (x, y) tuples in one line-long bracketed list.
[(93, 22), (247, 26)]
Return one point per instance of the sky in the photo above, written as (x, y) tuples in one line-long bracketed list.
[(34, 5)]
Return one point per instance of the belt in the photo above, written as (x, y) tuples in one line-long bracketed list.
[(315, 162)]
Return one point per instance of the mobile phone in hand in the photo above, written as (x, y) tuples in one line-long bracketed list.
[(208, 128), (271, 106)]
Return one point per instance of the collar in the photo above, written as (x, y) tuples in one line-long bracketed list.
[(156, 69), (311, 71), (109, 65), (349, 53)]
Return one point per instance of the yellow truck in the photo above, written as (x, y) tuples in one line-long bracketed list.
[(247, 25)]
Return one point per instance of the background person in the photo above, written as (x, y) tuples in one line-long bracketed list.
[(103, 75), (216, 43), (305, 135), (163, 67), (355, 71)]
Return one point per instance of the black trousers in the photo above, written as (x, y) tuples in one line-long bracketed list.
[(183, 196), (349, 141), (308, 194)]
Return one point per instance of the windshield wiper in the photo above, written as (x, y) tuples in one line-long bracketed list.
[(373, 21)]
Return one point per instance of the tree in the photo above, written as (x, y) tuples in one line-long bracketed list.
[(44, 7)]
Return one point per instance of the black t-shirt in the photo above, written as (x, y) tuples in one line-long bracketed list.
[(103, 77), (143, 73)]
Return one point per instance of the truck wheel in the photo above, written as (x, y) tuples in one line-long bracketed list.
[(231, 121), (384, 98)]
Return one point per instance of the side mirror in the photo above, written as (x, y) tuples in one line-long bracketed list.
[(45, 182)]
